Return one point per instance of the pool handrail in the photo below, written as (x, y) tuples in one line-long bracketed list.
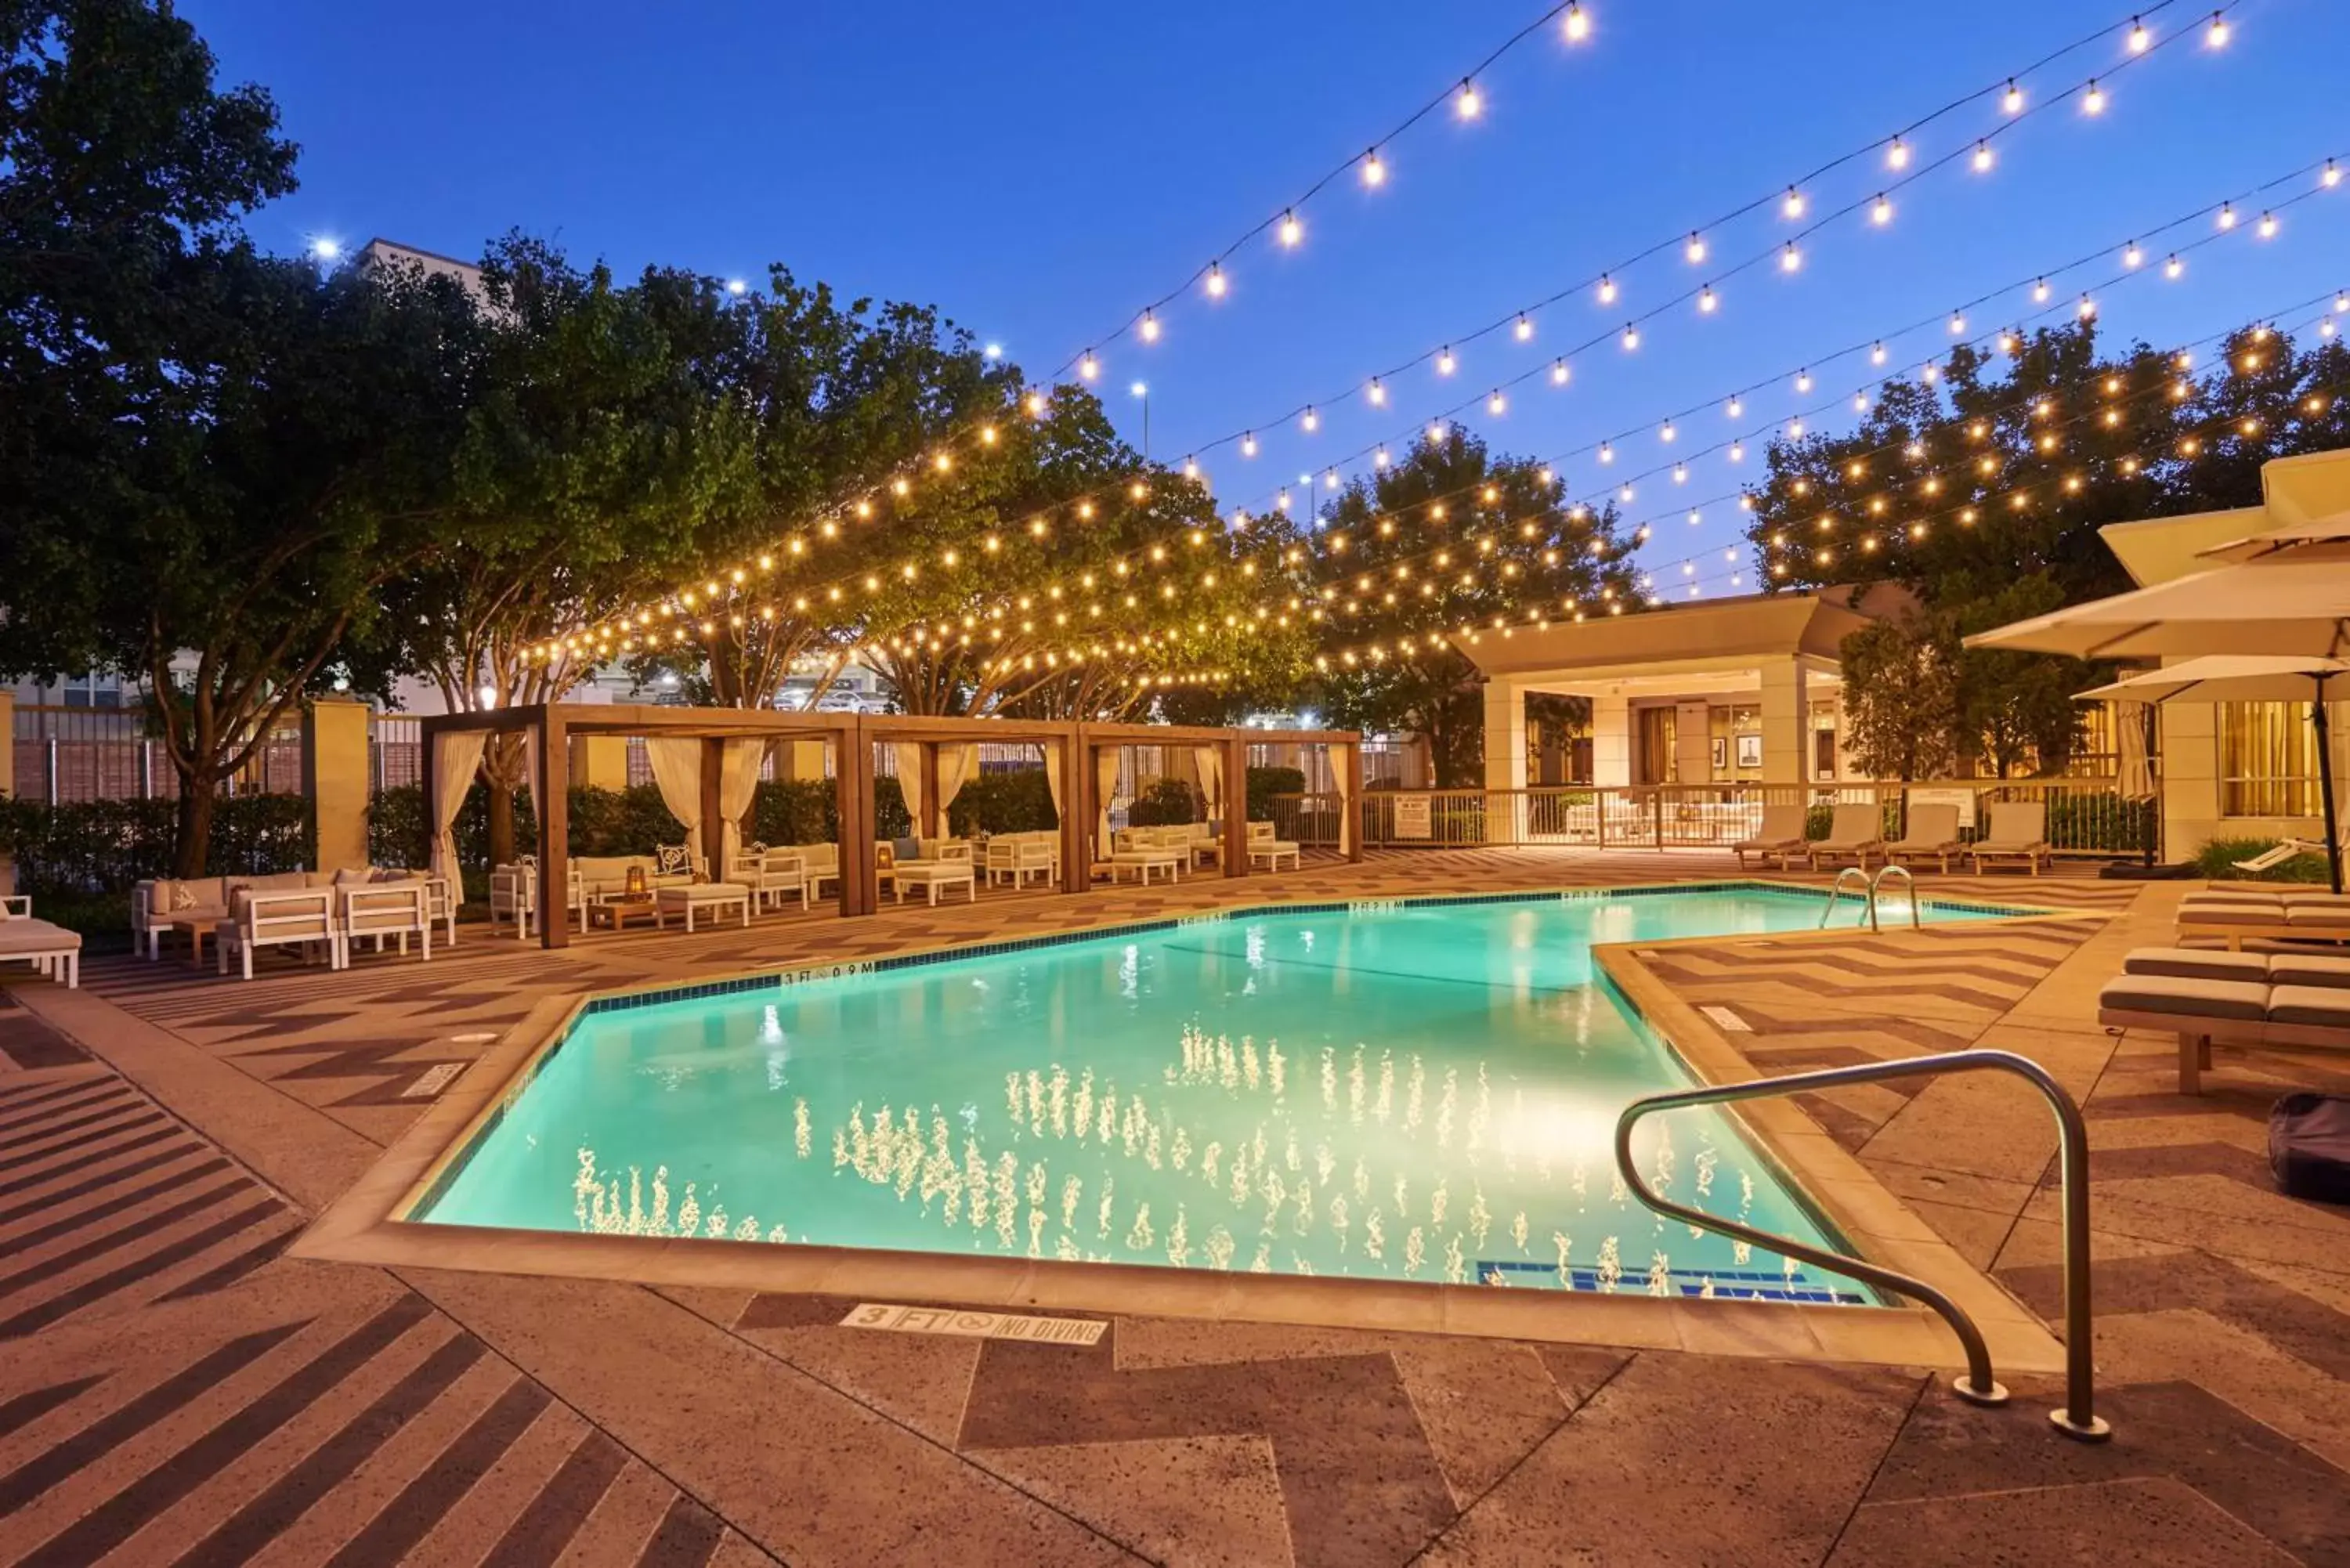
[(2077, 1418), (1836, 891)]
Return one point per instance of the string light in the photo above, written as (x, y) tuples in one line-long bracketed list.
[(2216, 35), (1706, 300), (1790, 258), (2138, 36), (1525, 328), (1375, 174), (1150, 328), (1983, 158), (2093, 101), (1292, 230), (2012, 101), (1445, 363), (1695, 249), (1791, 204), (1880, 211), (2268, 226), (1216, 284), (2227, 215), (1897, 154), (1606, 289), (1467, 102), (1578, 24)]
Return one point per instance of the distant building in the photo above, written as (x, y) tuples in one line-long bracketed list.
[(379, 253)]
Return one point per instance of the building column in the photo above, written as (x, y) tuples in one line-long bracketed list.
[(600, 762), (335, 777), (1505, 736), (799, 759), (1786, 722), (1611, 742), (1693, 741), (2191, 777)]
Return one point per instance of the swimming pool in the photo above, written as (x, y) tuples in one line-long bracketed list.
[(1422, 1090)]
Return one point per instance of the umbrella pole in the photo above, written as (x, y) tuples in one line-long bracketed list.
[(2325, 786), (2154, 817)]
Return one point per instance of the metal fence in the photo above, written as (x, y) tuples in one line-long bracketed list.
[(2085, 817), (65, 755)]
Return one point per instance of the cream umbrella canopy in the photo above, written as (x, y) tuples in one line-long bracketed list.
[(2294, 601), (2249, 678)]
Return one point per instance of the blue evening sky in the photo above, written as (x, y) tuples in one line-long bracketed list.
[(1041, 171)]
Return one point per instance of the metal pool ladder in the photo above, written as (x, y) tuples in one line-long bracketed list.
[(1870, 887), (2078, 1417)]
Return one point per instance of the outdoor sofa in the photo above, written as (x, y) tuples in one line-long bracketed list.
[(51, 950), (200, 904)]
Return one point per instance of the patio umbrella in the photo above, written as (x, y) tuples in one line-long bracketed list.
[(2247, 678), (2292, 601), (2253, 546)]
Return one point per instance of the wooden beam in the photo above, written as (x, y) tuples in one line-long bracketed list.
[(858, 827), (934, 821), (553, 788), (1076, 764), (1351, 828), (1235, 853), (713, 831)]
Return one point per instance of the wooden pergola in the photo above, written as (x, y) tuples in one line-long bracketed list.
[(853, 737)]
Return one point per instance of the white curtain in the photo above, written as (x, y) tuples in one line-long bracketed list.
[(1053, 775), (1106, 786), (456, 758), (909, 780), (738, 786), (677, 773), (1342, 779), (958, 765), (1211, 780)]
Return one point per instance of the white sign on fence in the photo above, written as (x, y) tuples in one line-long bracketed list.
[(1412, 817), (1964, 799)]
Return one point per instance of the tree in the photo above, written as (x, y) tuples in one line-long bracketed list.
[(1901, 696), (1984, 491), (1448, 540)]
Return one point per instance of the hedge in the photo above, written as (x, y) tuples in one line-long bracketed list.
[(2218, 857), (1018, 800), (102, 846)]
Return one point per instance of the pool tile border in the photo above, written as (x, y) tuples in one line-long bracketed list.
[(370, 1224)]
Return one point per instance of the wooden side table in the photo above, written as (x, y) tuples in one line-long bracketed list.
[(614, 914)]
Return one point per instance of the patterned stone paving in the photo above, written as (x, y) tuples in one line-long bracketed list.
[(174, 1390)]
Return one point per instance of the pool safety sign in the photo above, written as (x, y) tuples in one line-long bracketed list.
[(1412, 817), (1964, 799), (893, 1319)]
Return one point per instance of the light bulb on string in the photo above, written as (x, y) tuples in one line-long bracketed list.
[(1292, 230), (1466, 102), (2227, 219), (1790, 259), (2174, 268), (2094, 101), (2216, 35), (1606, 290), (1150, 328), (1089, 367), (1631, 337), (1311, 421), (2086, 309), (1897, 154), (1578, 24), (2013, 99), (1876, 352), (2140, 39), (1496, 404), (1695, 249), (1791, 205), (1375, 172), (2268, 228), (1215, 280), (1958, 323), (1735, 408), (1880, 211), (2133, 257), (1558, 373), (1666, 433), (1376, 392), (1707, 301), (1802, 383), (1379, 458), (1248, 444), (1984, 157), (2040, 291), (1525, 328), (1445, 363)]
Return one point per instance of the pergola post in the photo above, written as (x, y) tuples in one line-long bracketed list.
[(1350, 827), (553, 787), (1076, 766), (713, 829), (935, 820), (852, 774), (1234, 854)]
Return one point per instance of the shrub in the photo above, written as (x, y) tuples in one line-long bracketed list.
[(1167, 803), (1263, 783), (1018, 800), (102, 846), (2217, 860)]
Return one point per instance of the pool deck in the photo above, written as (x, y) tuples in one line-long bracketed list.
[(174, 1389)]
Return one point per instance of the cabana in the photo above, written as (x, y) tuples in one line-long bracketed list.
[(706, 762)]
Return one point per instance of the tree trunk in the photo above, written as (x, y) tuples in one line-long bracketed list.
[(192, 842), (502, 824)]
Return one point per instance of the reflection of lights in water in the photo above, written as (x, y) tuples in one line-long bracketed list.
[(1130, 972), (770, 1027)]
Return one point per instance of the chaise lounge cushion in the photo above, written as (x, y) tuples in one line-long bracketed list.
[(2241, 1000), (2314, 1006), (23, 934), (2308, 968), (2198, 963), (2231, 914), (2324, 917)]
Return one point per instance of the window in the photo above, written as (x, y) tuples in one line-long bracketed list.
[(1660, 760), (1728, 727), (2268, 760)]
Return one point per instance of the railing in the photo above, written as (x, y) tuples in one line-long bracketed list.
[(2085, 816), (1870, 885), (2078, 1417)]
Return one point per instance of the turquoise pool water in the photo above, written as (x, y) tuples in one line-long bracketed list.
[(1416, 1092)]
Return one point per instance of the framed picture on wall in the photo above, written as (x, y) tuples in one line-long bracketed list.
[(1720, 753), (1750, 751)]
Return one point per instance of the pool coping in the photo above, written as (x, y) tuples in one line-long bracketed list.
[(368, 1223)]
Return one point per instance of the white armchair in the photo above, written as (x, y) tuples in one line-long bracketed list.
[(384, 910), (772, 875), (260, 919)]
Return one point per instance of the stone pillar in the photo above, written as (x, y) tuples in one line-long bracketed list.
[(1693, 741), (1786, 722), (799, 759), (335, 777), (600, 762), (2191, 777), (1611, 742), (1505, 736)]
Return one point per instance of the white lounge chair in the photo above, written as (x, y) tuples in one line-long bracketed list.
[(1855, 831), (2018, 830), (2277, 854), (51, 950), (1933, 836), (1781, 834)]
